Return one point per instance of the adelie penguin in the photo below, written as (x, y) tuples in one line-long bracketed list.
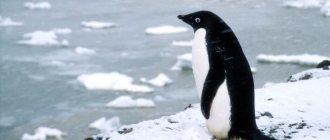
[(223, 78)]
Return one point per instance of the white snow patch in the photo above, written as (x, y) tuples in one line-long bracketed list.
[(254, 70), (159, 81), (310, 74), (184, 62), (128, 102), (165, 29), (42, 133), (325, 10), (103, 124), (111, 81), (182, 43), (303, 3), (304, 59), (82, 51), (6, 21), (97, 24), (38, 5), (45, 38), (305, 116)]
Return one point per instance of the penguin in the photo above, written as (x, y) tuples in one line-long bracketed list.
[(223, 79)]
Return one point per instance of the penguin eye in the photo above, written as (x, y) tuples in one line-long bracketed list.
[(197, 20)]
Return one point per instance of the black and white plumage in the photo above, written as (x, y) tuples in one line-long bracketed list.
[(223, 78)]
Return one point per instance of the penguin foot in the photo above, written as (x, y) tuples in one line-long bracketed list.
[(258, 135)]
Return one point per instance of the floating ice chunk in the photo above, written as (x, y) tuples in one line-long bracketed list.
[(97, 24), (182, 43), (165, 29), (310, 74), (183, 62), (38, 5), (104, 124), (325, 10), (128, 102), (42, 133), (304, 59), (82, 50), (111, 81), (45, 38), (159, 81), (303, 3), (254, 70), (6, 21)]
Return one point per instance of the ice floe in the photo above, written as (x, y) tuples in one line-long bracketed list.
[(165, 29), (182, 43), (159, 81), (183, 62), (45, 38), (42, 133), (303, 3), (6, 21), (310, 74), (128, 102), (111, 81), (82, 51), (97, 24), (325, 10), (104, 124), (303, 59), (305, 116), (38, 5)]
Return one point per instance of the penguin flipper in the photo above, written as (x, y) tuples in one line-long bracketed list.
[(212, 83)]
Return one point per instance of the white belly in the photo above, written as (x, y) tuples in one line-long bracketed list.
[(219, 122)]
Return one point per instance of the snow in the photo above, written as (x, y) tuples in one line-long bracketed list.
[(303, 59), (6, 21), (254, 70), (111, 81), (82, 51), (184, 62), (45, 38), (159, 81), (303, 3), (128, 102), (42, 133), (299, 110), (97, 24), (310, 74), (325, 10), (103, 124), (182, 43), (165, 29), (38, 5)]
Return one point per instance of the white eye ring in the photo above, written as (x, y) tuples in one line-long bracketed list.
[(197, 20)]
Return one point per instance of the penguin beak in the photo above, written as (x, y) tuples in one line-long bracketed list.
[(181, 17)]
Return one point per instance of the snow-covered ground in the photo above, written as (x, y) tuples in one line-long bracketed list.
[(128, 102), (304, 59), (97, 24), (46, 38), (42, 133), (6, 21), (159, 81), (323, 4), (310, 74), (38, 5), (294, 110), (103, 124), (111, 81), (165, 29)]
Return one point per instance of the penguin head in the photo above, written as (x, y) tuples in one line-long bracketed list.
[(201, 19)]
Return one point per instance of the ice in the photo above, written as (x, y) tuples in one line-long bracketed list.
[(310, 74), (299, 110), (82, 51), (182, 43), (38, 5), (325, 10), (184, 62), (304, 59), (97, 24), (165, 29), (104, 124), (159, 81), (303, 3), (111, 81), (42, 133), (6, 21), (45, 38), (254, 70), (128, 102)]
